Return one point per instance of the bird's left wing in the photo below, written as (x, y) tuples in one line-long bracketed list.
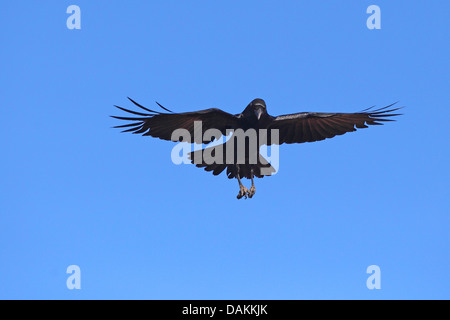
[(316, 126), (162, 125)]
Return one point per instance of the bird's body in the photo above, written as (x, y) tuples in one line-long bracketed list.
[(240, 156)]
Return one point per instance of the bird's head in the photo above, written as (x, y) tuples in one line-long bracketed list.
[(256, 108)]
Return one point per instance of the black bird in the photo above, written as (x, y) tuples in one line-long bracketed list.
[(292, 128)]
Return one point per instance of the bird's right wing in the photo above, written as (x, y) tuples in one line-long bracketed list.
[(162, 125)]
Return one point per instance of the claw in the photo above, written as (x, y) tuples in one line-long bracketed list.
[(252, 191), (243, 192)]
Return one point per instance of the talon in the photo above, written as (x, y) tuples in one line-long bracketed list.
[(243, 192), (252, 191)]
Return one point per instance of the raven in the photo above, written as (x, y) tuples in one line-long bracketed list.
[(291, 128)]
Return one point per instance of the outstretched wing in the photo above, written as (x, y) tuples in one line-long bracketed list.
[(316, 126), (162, 125)]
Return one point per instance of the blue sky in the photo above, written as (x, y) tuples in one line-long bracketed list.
[(76, 192)]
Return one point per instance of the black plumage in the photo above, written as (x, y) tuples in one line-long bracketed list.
[(292, 128)]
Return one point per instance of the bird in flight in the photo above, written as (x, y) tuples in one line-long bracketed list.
[(240, 154)]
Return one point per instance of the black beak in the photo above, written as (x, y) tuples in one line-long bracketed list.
[(258, 113)]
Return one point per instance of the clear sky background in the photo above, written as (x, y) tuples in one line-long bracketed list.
[(74, 191)]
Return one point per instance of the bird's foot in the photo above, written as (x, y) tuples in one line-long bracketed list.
[(243, 191), (252, 191)]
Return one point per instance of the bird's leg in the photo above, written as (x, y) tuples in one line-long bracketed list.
[(252, 191), (243, 191)]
